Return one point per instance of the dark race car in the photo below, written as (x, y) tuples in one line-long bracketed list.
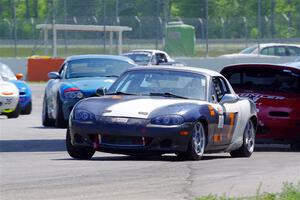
[(164, 109), (276, 91), (78, 78)]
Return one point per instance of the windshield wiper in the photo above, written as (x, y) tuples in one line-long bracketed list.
[(166, 94), (120, 93)]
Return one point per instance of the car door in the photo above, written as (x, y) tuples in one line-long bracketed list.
[(228, 112), (53, 88)]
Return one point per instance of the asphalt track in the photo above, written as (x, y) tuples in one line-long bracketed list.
[(35, 165)]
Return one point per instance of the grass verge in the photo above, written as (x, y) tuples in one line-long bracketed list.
[(289, 192)]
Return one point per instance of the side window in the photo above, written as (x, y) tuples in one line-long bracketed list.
[(161, 58), (62, 70), (293, 51), (268, 51), (280, 51), (220, 87)]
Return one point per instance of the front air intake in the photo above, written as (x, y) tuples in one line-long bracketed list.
[(279, 114)]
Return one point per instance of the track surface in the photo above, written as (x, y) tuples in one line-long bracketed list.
[(35, 165)]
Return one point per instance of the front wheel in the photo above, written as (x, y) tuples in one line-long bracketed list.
[(78, 152), (60, 122), (46, 121), (247, 148), (196, 145), (27, 110), (15, 113)]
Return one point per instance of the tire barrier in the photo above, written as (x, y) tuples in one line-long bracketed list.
[(39, 67)]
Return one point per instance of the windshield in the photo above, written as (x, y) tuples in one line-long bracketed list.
[(248, 50), (161, 83), (6, 73), (140, 58), (272, 80), (96, 67)]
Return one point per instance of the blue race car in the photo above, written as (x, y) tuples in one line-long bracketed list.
[(79, 77), (25, 94), (164, 109)]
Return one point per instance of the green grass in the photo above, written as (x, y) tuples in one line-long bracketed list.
[(26, 50), (289, 192)]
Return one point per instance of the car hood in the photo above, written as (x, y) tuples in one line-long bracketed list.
[(90, 83), (21, 85), (136, 106), (8, 87)]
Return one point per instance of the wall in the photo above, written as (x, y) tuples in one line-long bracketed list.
[(19, 65)]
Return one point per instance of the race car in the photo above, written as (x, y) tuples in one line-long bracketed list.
[(150, 57), (275, 88), (9, 97), (267, 50), (164, 109), (78, 78), (25, 94)]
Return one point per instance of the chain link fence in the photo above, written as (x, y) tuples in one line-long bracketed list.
[(19, 36)]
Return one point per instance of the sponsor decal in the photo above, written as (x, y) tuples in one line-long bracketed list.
[(231, 124), (211, 110), (143, 113), (8, 101), (256, 97), (120, 120), (221, 121)]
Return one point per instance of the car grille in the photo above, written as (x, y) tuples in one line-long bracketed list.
[(125, 140)]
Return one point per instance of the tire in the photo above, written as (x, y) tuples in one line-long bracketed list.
[(78, 152), (196, 144), (46, 121), (15, 113), (295, 146), (247, 148), (60, 122), (27, 110)]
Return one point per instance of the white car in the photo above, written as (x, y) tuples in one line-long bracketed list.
[(268, 49), (9, 98), (149, 57)]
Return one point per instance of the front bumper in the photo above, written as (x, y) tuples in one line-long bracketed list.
[(279, 130), (24, 100), (134, 136), (8, 103)]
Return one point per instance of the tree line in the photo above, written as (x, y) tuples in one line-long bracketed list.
[(226, 18)]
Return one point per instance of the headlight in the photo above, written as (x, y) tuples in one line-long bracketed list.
[(168, 120), (73, 93), (83, 115)]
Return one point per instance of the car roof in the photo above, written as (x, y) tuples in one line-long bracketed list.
[(147, 50), (78, 57), (263, 45), (197, 70), (269, 65)]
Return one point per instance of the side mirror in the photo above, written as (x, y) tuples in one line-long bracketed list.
[(19, 76), (53, 75), (101, 92), (229, 98)]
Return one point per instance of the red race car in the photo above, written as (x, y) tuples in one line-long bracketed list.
[(276, 91)]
